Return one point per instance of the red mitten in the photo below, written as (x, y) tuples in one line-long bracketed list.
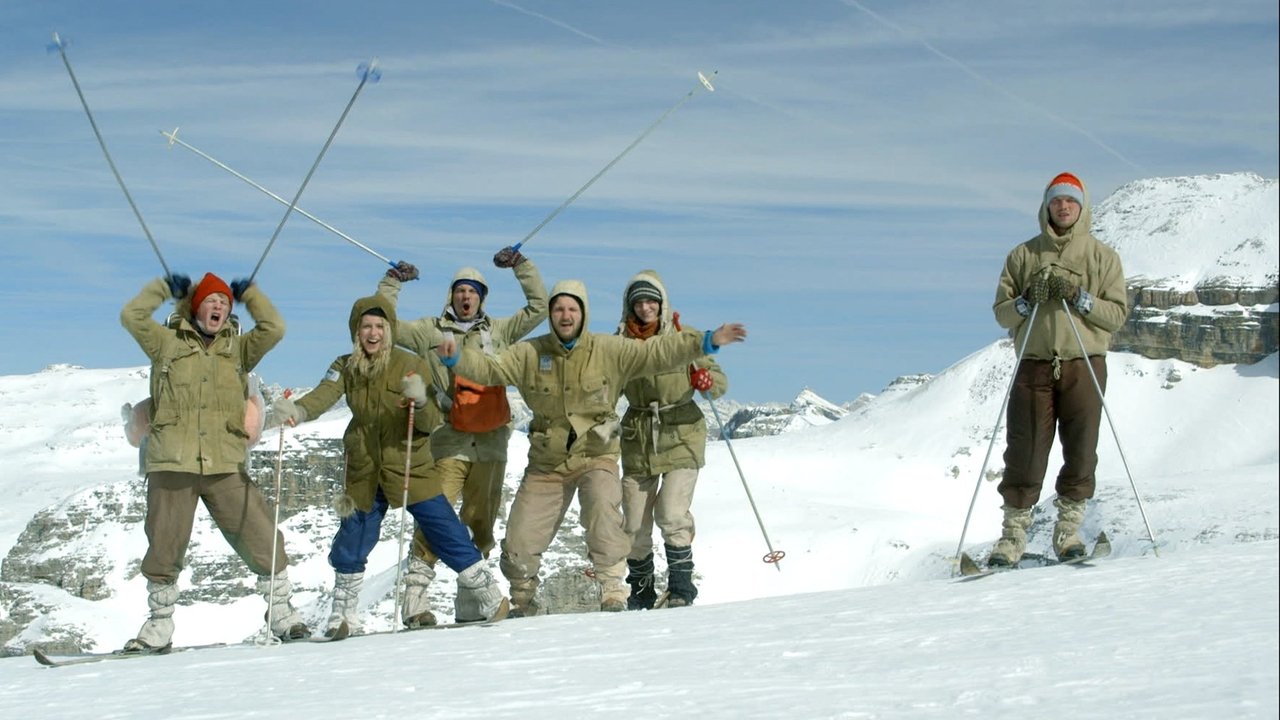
[(700, 379)]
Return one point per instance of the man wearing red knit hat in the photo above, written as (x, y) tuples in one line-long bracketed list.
[(196, 449), (1056, 284)]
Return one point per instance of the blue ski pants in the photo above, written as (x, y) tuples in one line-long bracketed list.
[(359, 531)]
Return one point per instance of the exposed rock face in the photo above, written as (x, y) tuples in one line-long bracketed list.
[(1207, 326), (1201, 257)]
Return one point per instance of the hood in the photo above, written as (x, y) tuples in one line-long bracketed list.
[(365, 304), (577, 289), (466, 273), (1084, 223), (665, 324)]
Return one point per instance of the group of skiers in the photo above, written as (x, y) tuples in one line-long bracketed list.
[(430, 426)]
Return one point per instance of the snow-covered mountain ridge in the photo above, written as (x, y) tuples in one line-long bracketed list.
[(1202, 260)]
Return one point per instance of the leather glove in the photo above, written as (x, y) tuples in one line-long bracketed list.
[(285, 411), (403, 271), (700, 379), (179, 285), (238, 287), (414, 389), (508, 257)]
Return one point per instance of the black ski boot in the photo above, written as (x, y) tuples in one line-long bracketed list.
[(640, 578), (680, 588)]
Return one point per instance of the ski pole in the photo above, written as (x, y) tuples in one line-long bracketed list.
[(268, 637), (773, 556), (1098, 386), (703, 82), (173, 140), (60, 46), (996, 431), (404, 505), (367, 72)]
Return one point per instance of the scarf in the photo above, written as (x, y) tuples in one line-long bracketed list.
[(642, 332)]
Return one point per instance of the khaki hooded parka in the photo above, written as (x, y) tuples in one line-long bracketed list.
[(573, 391), (1084, 261), (663, 429), (487, 334), (374, 440), (199, 391)]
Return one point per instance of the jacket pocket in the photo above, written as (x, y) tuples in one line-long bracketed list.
[(166, 442)]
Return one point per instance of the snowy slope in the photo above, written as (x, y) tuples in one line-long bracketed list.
[(1190, 635)]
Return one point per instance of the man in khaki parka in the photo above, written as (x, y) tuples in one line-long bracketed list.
[(571, 379), (378, 381), (1066, 276), (664, 442), (197, 447), (470, 446)]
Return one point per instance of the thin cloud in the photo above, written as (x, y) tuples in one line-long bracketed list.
[(992, 84)]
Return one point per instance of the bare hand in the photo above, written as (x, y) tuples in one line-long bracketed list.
[(448, 347), (728, 334)]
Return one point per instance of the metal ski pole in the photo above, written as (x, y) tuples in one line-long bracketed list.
[(774, 556), (404, 509), (268, 637), (995, 431), (703, 82), (367, 72), (173, 140), (60, 46), (1101, 397)]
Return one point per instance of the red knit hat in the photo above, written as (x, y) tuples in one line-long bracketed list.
[(210, 284), (1065, 184)]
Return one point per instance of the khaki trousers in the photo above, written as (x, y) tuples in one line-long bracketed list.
[(236, 506), (1039, 404), (661, 499), (539, 507)]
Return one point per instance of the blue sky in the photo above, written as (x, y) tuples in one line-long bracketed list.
[(849, 191)]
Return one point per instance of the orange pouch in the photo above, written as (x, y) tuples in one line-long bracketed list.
[(478, 408)]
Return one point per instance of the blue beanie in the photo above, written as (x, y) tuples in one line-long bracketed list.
[(474, 285)]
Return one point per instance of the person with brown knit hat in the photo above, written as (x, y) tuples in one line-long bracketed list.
[(1060, 279), (196, 450), (664, 442), (571, 380), (379, 380)]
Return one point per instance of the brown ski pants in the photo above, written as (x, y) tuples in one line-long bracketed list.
[(236, 506), (1051, 395)]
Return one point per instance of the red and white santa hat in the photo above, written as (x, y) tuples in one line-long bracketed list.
[(1065, 184)]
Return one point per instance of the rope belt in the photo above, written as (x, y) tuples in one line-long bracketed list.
[(656, 410)]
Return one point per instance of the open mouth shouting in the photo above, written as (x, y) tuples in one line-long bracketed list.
[(213, 313)]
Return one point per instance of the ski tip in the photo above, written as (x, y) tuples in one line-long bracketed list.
[(369, 72), (37, 652), (706, 82), (968, 566), (1101, 546)]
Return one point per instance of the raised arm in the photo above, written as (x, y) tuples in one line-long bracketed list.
[(136, 317)]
